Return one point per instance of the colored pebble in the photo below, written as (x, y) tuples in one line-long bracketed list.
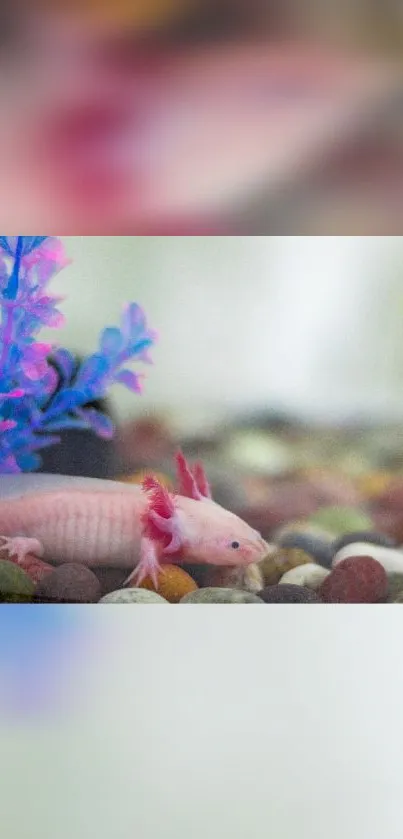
[(281, 560), (355, 580), (133, 595), (390, 558), (220, 595), (245, 578), (173, 583), (341, 520), (310, 576), (289, 594), (370, 537), (70, 583), (15, 584), (318, 549)]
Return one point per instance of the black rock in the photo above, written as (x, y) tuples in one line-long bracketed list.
[(320, 550), (288, 594)]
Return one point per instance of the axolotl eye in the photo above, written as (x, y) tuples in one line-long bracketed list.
[(235, 545)]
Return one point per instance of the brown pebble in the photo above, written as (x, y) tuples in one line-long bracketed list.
[(245, 578), (70, 583)]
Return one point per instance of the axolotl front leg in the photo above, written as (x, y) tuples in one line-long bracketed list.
[(151, 552)]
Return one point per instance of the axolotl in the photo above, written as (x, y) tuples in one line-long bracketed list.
[(111, 523)]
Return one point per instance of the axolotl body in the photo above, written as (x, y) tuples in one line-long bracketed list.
[(109, 523)]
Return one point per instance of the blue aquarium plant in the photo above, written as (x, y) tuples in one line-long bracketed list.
[(35, 402)]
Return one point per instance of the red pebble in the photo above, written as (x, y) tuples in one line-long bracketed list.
[(358, 579)]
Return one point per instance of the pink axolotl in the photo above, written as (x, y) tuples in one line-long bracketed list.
[(113, 524)]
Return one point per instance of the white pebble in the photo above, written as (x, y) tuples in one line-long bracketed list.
[(310, 575), (390, 558)]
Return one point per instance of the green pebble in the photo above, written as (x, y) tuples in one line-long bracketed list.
[(341, 520), (220, 595), (133, 595), (15, 585)]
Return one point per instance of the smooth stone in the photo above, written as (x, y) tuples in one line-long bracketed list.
[(245, 578), (341, 520), (359, 579), (319, 549), (69, 583), (310, 576), (133, 595), (15, 584), (220, 595), (173, 583), (371, 537), (289, 594), (390, 558), (281, 560)]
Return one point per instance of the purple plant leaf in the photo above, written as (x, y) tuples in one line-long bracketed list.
[(66, 423), (17, 393), (129, 379), (52, 318), (92, 372), (34, 362), (98, 422), (65, 361), (7, 425), (133, 319), (145, 357), (66, 400), (112, 341)]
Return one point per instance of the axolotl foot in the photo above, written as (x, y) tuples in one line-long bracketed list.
[(20, 547), (148, 565)]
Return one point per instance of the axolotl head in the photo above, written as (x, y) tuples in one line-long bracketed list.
[(216, 536), (191, 527)]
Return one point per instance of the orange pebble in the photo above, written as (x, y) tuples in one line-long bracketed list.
[(173, 583)]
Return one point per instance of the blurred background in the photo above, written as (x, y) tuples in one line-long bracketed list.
[(201, 116), (279, 363)]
